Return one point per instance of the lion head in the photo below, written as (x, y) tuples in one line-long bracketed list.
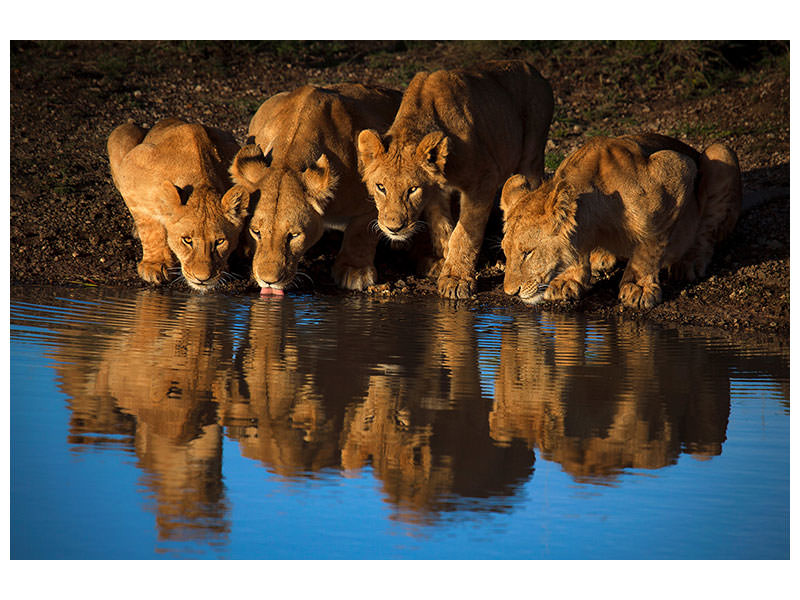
[(401, 178), (537, 230), (202, 228), (287, 219)]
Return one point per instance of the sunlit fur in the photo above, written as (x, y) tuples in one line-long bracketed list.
[(459, 131), (173, 179), (635, 197), (303, 169)]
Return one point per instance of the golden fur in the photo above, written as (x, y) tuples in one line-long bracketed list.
[(307, 179), (637, 197), (464, 130), (173, 180)]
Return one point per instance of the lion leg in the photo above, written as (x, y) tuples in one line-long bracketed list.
[(571, 283), (720, 198), (640, 287), (457, 278), (157, 258), (354, 267), (440, 227)]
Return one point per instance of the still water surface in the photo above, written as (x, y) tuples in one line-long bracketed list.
[(147, 425)]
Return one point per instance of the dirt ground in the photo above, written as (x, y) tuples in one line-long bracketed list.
[(69, 226)]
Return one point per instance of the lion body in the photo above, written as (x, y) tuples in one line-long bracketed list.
[(304, 167), (173, 179), (464, 130), (648, 198)]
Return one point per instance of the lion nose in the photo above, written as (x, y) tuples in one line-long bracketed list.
[(510, 287), (394, 224)]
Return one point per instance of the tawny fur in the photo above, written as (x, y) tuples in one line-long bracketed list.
[(304, 167), (464, 130), (174, 181), (648, 198)]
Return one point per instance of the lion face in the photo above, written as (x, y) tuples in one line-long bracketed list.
[(402, 179), (204, 231), (536, 238), (287, 219), (283, 227)]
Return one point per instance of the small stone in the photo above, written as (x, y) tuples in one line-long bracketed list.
[(102, 260)]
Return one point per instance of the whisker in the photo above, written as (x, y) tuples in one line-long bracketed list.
[(306, 275)]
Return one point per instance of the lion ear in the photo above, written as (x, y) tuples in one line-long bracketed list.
[(513, 191), (369, 146), (433, 151), (250, 165), (561, 206), (320, 182), (236, 203)]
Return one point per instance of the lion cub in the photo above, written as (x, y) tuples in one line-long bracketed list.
[(649, 198), (307, 179), (173, 179), (464, 130)]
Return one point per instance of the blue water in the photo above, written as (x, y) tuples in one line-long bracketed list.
[(149, 425)]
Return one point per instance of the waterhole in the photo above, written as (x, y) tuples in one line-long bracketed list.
[(146, 424)]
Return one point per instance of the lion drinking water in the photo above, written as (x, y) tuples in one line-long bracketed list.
[(649, 198), (174, 181), (307, 180), (464, 130)]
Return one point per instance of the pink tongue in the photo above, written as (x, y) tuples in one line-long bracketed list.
[(266, 291)]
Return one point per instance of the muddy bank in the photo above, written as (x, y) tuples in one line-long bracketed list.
[(69, 226)]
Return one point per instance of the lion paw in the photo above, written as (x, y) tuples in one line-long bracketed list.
[(637, 296), (455, 287), (153, 272), (354, 278), (563, 289), (601, 261)]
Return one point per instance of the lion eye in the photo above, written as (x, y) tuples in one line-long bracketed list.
[(380, 188), (412, 189), (255, 233), (294, 235), (187, 240), (219, 242)]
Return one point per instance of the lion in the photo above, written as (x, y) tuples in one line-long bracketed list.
[(174, 181), (307, 180), (648, 198), (459, 130)]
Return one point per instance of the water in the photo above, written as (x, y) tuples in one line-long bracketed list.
[(149, 425)]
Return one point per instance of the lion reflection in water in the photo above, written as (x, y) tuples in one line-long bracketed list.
[(602, 398), (305, 387), (335, 394), (155, 381)]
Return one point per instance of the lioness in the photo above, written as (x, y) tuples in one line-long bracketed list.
[(633, 196), (173, 179), (307, 179), (462, 130)]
